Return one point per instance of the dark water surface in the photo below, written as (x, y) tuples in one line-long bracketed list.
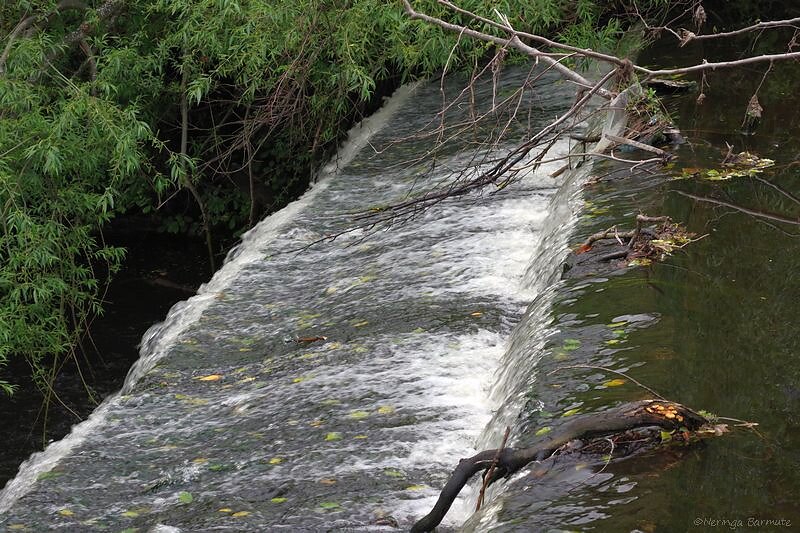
[(714, 327)]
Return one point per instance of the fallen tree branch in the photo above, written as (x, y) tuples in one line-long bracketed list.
[(641, 146), (514, 40), (666, 415)]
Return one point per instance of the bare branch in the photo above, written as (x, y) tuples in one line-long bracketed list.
[(791, 23), (513, 41), (753, 212)]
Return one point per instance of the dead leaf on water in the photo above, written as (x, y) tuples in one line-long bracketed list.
[(309, 340), (614, 382)]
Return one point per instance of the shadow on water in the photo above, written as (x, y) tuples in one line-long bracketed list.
[(159, 271)]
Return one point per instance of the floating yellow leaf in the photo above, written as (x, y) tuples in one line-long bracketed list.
[(130, 514), (360, 437), (278, 500), (614, 382), (200, 460), (327, 481), (225, 510), (17, 527), (66, 512), (358, 415), (361, 324), (210, 377), (299, 380), (333, 435), (476, 314), (276, 460), (240, 514), (416, 487), (385, 409), (543, 430), (571, 412)]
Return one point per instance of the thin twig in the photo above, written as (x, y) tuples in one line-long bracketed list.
[(605, 369), (491, 469)]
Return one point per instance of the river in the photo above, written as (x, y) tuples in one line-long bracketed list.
[(435, 334)]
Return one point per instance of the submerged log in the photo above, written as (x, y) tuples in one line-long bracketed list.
[(658, 413)]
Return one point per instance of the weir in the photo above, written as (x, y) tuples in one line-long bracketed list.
[(333, 385)]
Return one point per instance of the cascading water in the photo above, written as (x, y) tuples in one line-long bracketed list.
[(326, 387)]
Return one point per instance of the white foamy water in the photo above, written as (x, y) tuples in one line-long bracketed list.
[(159, 338)]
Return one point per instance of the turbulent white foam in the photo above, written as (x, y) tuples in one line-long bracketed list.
[(158, 339)]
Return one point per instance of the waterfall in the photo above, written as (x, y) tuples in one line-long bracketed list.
[(334, 383)]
